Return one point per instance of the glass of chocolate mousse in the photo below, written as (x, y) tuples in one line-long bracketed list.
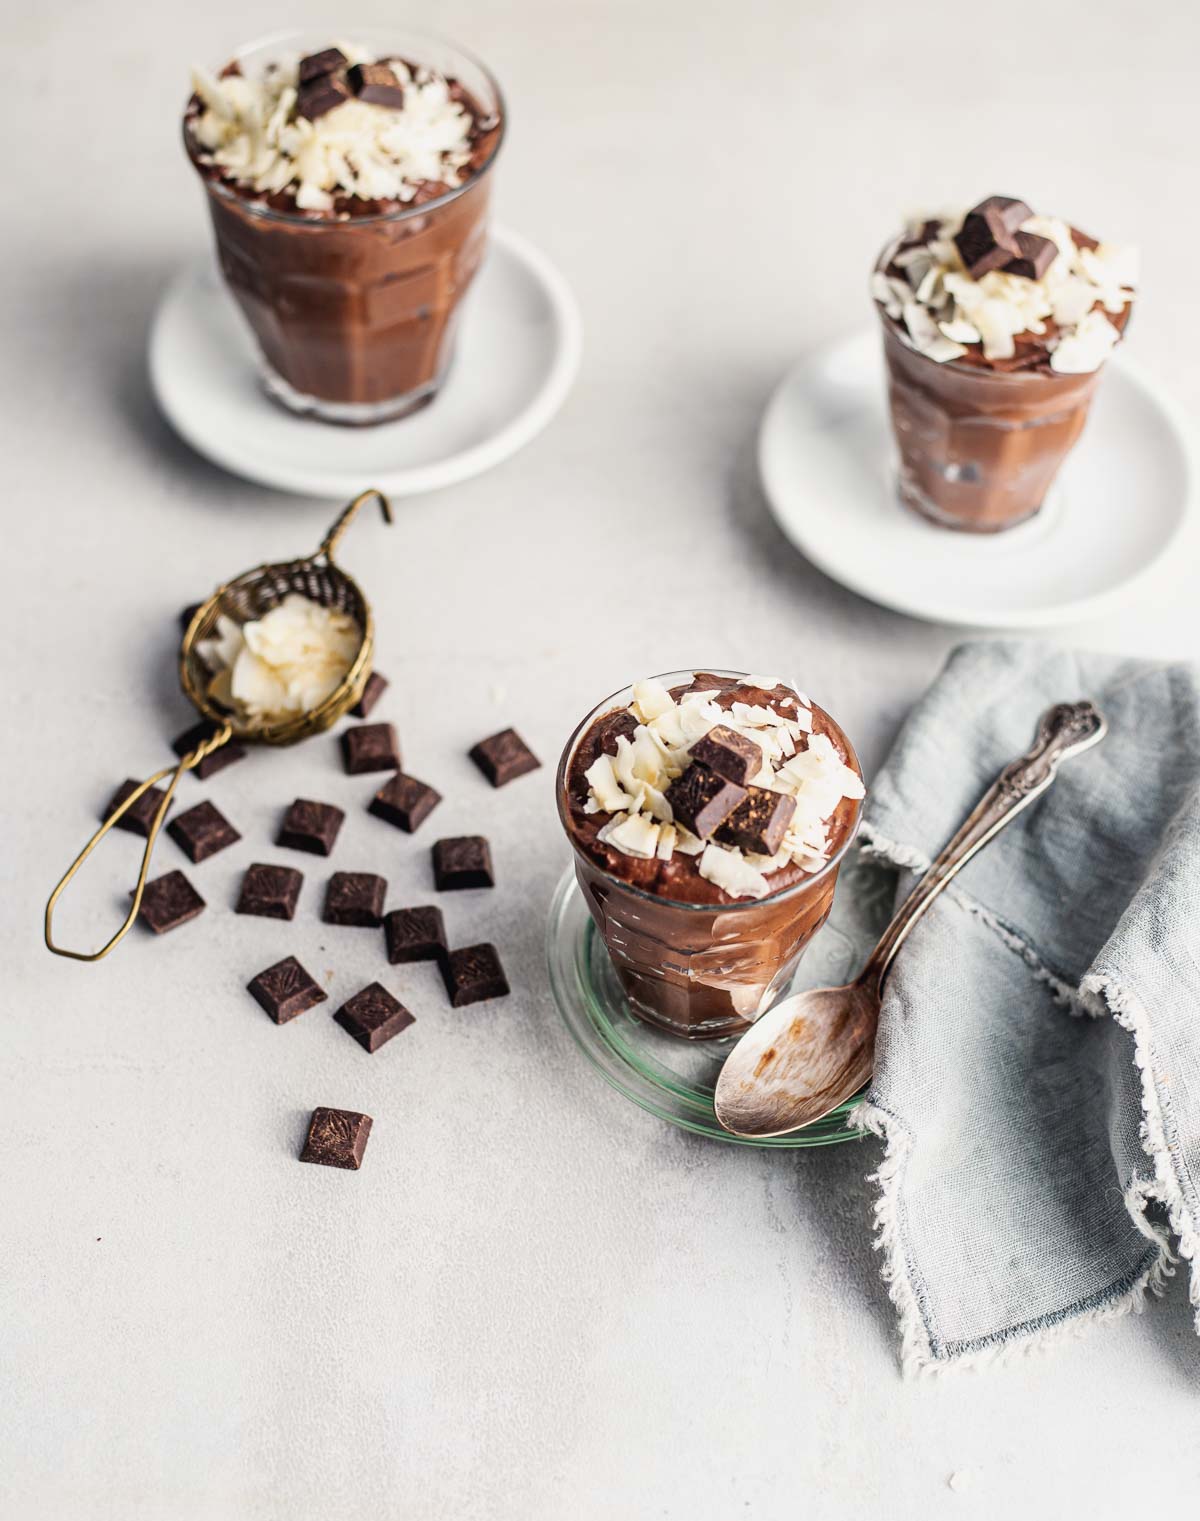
[(348, 184), (708, 812), (996, 325)]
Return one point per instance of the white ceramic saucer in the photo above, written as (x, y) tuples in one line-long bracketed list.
[(1124, 496), (518, 352)]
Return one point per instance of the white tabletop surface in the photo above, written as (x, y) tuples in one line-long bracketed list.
[(534, 1301)]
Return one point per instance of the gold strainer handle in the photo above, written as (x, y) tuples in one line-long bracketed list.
[(193, 758), (334, 537)]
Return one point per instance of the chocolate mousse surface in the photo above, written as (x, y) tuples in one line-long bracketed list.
[(677, 875)]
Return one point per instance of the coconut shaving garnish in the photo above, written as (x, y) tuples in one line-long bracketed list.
[(633, 785), (956, 281), (255, 130)]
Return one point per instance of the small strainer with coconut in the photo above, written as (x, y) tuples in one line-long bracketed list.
[(240, 602)]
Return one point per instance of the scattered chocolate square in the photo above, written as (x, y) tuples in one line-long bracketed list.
[(310, 826), (321, 96), (373, 1016), (729, 754), (404, 801), (370, 747), (415, 934), (271, 892), (285, 990), (202, 831), (463, 861), (758, 823), (376, 686), (472, 974), (504, 757), (186, 616), (377, 85), (1034, 256), (229, 752), (702, 800), (316, 65), (336, 1138), (140, 818), (168, 902), (355, 897)]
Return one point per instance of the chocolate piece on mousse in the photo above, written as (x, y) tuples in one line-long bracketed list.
[(168, 902), (270, 892), (373, 1016), (729, 754), (376, 686), (504, 757), (140, 818), (405, 802), (702, 800), (286, 990), (322, 96), (317, 65), (377, 85), (1034, 256), (472, 974), (464, 861), (355, 897), (370, 747), (336, 1138), (202, 831), (309, 826), (183, 744), (759, 823), (620, 724), (987, 238), (415, 934)]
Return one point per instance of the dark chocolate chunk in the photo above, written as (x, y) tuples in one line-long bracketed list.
[(286, 990), (377, 85), (376, 686), (504, 757), (702, 800), (169, 902), (404, 801), (472, 974), (987, 238), (322, 96), (317, 65), (415, 934), (729, 754), (464, 861), (613, 726), (140, 818), (355, 897), (271, 892), (759, 822), (229, 752), (186, 616), (1034, 256), (336, 1138), (370, 747), (202, 831), (373, 1016), (310, 826)]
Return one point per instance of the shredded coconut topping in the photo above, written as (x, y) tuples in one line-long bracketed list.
[(943, 310), (249, 129)]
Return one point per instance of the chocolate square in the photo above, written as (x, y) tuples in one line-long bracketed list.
[(271, 892), (186, 616), (702, 800), (370, 747), (729, 754), (229, 752), (404, 801), (322, 95), (376, 686), (336, 1138), (472, 974), (986, 240), (168, 902), (463, 861), (758, 823), (316, 65), (1034, 256), (355, 897), (373, 1016), (202, 831), (504, 757), (415, 934), (140, 818), (285, 990), (620, 723), (377, 85), (310, 826)]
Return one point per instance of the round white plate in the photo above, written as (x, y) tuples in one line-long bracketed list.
[(518, 352), (826, 459)]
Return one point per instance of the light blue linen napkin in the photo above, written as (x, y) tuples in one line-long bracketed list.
[(1037, 1079)]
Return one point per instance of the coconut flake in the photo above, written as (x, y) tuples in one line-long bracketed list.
[(728, 870)]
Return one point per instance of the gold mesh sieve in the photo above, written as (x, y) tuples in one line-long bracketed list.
[(245, 599)]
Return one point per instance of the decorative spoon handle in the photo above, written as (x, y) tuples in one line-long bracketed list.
[(1065, 729)]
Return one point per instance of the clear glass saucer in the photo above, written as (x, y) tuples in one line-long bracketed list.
[(670, 1077)]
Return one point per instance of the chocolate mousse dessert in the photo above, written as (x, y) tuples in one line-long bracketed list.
[(996, 324), (348, 189), (708, 812)]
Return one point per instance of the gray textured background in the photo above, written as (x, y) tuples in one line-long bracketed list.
[(534, 1301)]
